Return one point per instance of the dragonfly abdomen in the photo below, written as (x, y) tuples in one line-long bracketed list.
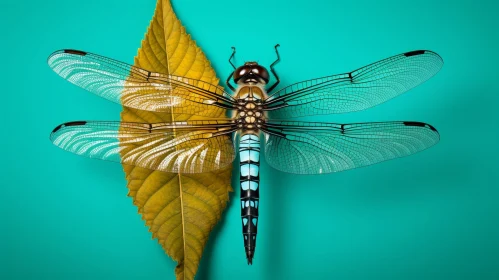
[(249, 153)]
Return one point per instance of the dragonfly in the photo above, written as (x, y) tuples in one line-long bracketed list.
[(260, 118)]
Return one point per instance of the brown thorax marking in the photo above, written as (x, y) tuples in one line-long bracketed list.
[(249, 111)]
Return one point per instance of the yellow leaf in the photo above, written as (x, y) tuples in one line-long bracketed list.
[(180, 210)]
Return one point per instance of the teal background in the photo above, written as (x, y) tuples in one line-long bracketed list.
[(433, 215)]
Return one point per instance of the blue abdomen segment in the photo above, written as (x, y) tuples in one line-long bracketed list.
[(249, 158)]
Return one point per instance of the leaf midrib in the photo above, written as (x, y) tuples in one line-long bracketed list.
[(179, 176)]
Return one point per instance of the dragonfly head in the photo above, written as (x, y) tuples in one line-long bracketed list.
[(251, 73)]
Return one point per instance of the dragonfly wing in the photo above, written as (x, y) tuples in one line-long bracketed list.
[(137, 88), (357, 90), (185, 147), (315, 148)]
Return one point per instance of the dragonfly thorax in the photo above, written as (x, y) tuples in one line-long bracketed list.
[(249, 111)]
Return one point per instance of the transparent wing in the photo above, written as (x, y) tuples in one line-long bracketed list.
[(357, 90), (185, 147), (137, 88), (314, 148)]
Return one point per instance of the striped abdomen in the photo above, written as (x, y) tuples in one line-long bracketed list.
[(249, 153)]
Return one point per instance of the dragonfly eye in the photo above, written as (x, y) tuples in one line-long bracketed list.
[(241, 72), (251, 72)]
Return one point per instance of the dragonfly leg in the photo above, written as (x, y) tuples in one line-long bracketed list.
[(227, 82), (232, 56), (273, 71)]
